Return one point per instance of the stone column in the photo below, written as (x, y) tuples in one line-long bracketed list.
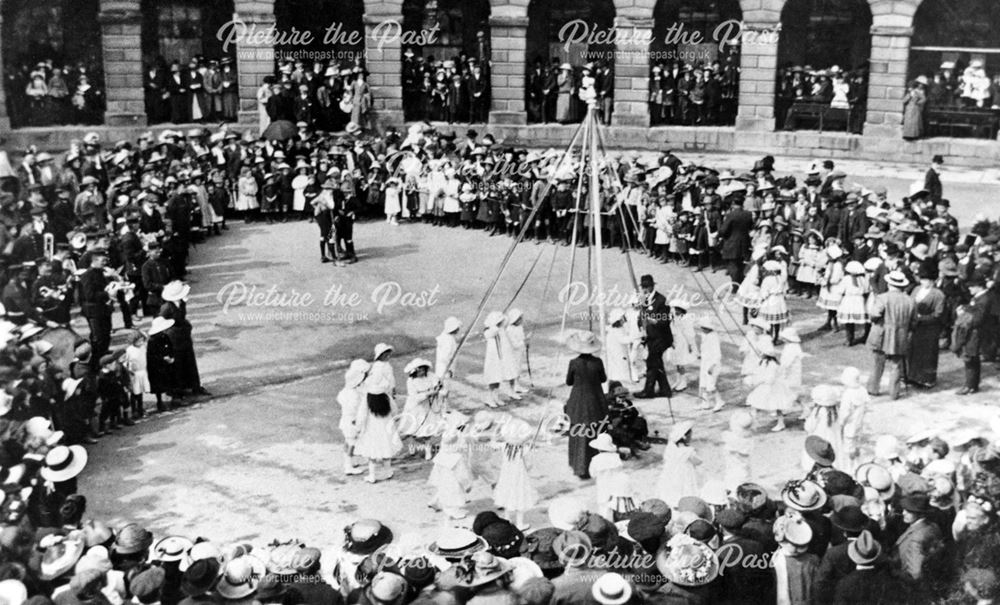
[(254, 60), (758, 77), (121, 41), (631, 71), (4, 118), (383, 58), (508, 44), (887, 81)]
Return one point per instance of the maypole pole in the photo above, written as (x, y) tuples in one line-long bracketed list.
[(595, 209)]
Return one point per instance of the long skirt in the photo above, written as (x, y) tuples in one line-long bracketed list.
[(580, 451), (922, 361)]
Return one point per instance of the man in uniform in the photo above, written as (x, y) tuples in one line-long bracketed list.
[(654, 317), (16, 297), (95, 305)]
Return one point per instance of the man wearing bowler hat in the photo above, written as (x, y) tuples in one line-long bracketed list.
[(654, 317), (95, 305), (932, 180)]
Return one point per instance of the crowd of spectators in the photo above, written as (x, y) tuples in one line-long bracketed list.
[(50, 93)]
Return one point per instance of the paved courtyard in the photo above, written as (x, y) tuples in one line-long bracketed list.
[(261, 459)]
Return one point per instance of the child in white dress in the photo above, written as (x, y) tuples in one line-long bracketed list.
[(603, 468), (748, 294), (421, 418), (831, 289), (519, 344), (854, 402), (679, 474), (246, 198), (446, 346), (773, 309), (135, 365), (710, 365), (392, 206), (498, 365), (351, 400), (737, 442), (514, 491), (684, 350), (619, 348), (791, 362), (853, 309), (823, 420), (378, 440), (450, 476), (770, 393)]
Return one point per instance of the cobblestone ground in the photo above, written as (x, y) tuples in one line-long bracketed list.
[(262, 460)]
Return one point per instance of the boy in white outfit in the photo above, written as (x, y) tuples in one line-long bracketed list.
[(711, 365)]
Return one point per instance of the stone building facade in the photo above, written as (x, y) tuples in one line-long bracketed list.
[(891, 32)]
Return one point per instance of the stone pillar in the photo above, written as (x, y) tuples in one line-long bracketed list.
[(121, 41), (4, 118), (631, 71), (758, 77), (887, 81), (383, 59), (254, 60), (508, 44)]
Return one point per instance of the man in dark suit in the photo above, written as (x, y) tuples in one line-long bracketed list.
[(95, 305), (932, 180), (654, 317), (868, 581), (735, 236), (967, 334), (917, 552), (154, 274), (743, 583)]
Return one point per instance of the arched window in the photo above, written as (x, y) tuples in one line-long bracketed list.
[(823, 54), (955, 53), (694, 72), (185, 68), (568, 47), (446, 60), (53, 67)]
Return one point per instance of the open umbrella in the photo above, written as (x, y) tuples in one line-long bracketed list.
[(280, 130)]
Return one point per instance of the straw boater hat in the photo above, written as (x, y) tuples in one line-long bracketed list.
[(455, 543), (160, 324), (175, 291), (603, 443), (171, 548), (876, 477), (241, 577), (583, 342), (611, 589), (415, 365), (897, 279), (64, 462), (803, 496)]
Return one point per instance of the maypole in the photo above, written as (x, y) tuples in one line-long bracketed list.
[(595, 209)]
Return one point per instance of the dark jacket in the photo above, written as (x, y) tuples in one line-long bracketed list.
[(735, 234)]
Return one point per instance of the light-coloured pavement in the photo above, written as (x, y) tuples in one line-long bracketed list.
[(262, 459)]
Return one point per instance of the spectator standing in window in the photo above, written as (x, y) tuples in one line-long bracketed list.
[(913, 109)]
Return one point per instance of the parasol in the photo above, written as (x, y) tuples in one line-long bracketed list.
[(280, 130)]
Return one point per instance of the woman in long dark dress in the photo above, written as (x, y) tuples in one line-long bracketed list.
[(186, 363), (160, 360), (922, 361), (586, 406)]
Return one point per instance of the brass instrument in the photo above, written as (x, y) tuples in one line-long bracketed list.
[(49, 244)]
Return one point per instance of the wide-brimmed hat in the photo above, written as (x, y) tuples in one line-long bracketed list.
[(132, 539), (897, 279), (688, 562), (386, 588), (584, 342), (678, 431), (205, 549), (538, 547), (865, 550), (356, 373), (416, 364), (849, 519), (455, 543), (803, 496), (380, 349), (200, 577), (854, 268), (483, 567), (793, 529), (493, 319), (97, 558), (611, 589), (175, 291), (60, 558), (834, 251), (825, 396), (603, 443), (64, 462), (160, 324), (452, 324), (241, 577), (365, 536), (706, 322), (918, 503), (171, 548), (820, 450)]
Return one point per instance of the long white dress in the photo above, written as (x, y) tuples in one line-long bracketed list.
[(711, 362), (619, 350), (447, 344), (738, 448), (420, 419), (684, 351), (299, 184), (450, 475), (513, 490), (392, 205), (135, 364), (515, 334), (791, 367), (603, 468), (678, 477), (770, 393), (499, 364), (351, 401), (378, 438)]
